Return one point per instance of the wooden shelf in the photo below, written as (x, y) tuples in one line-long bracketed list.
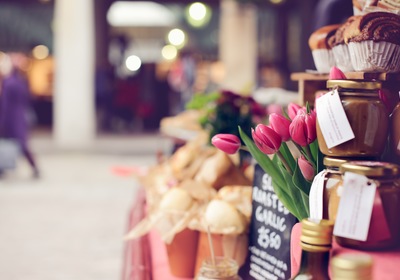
[(310, 83)]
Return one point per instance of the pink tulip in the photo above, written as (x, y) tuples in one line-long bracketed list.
[(303, 128), (266, 139), (292, 110), (281, 125), (227, 143), (306, 169), (336, 74)]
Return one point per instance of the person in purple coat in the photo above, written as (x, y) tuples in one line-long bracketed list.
[(14, 106)]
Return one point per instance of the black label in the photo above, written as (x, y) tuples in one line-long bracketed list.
[(270, 230)]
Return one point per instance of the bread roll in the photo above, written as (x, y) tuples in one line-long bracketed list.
[(176, 199), (221, 215)]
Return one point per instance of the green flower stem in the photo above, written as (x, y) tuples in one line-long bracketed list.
[(284, 162), (309, 156)]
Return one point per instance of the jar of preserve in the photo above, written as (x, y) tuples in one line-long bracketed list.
[(332, 186), (220, 268), (386, 177), (352, 266), (368, 118)]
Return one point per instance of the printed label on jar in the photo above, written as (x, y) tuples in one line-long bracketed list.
[(355, 207), (332, 120)]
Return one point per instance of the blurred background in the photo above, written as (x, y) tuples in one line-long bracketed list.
[(149, 57), (103, 74)]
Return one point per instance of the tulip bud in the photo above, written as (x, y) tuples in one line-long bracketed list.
[(266, 139), (281, 125), (306, 169), (227, 143), (336, 74), (292, 110), (303, 128)]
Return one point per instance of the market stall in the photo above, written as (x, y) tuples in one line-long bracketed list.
[(323, 179)]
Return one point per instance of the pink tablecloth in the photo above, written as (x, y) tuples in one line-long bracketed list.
[(145, 258), (386, 264)]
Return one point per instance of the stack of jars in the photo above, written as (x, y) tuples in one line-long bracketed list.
[(370, 121)]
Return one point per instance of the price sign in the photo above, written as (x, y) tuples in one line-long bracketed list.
[(270, 229)]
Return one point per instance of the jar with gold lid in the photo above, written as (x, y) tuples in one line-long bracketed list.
[(351, 266), (386, 177), (367, 116), (332, 186), (221, 268)]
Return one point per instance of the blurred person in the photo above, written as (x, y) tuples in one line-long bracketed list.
[(15, 105)]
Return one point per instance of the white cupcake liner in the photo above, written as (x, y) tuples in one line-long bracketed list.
[(342, 58), (370, 56), (323, 60)]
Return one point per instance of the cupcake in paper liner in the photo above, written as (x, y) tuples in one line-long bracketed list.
[(374, 42), (323, 60), (320, 48), (340, 49), (370, 56), (342, 58)]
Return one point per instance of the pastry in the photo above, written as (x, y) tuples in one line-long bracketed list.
[(321, 51), (340, 50), (374, 42)]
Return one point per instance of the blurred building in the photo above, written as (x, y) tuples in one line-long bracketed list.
[(120, 66)]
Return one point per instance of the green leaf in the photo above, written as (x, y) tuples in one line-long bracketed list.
[(284, 149), (263, 160), (295, 194), (300, 182), (314, 150)]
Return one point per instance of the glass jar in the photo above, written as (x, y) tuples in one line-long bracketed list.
[(222, 269), (351, 266), (386, 177), (368, 118), (332, 187)]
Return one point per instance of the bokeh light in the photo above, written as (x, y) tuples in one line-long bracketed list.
[(177, 37), (133, 63), (198, 14), (169, 52), (40, 52)]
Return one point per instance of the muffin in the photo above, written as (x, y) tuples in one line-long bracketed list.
[(340, 50), (321, 51), (374, 42)]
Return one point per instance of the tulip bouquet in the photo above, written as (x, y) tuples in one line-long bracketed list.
[(291, 175)]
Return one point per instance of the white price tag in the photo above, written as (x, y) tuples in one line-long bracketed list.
[(355, 207), (332, 119), (316, 196)]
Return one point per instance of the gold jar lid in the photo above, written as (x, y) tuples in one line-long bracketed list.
[(316, 232), (371, 168), (352, 266), (334, 162), (349, 84)]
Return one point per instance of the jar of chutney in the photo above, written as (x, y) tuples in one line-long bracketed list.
[(386, 177), (367, 116)]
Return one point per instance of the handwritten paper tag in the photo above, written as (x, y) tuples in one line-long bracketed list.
[(316, 196), (332, 119), (355, 207)]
